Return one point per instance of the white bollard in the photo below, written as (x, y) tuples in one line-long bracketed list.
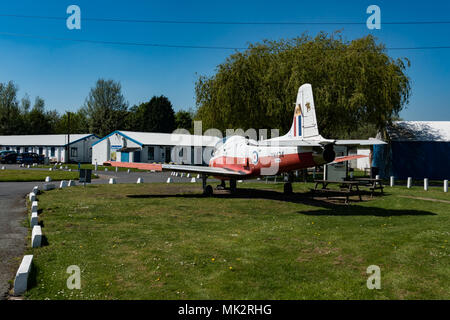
[(377, 176), (21, 280), (193, 180), (60, 167), (409, 182), (169, 180), (28, 166), (240, 181), (35, 190), (128, 171), (34, 206), (48, 179), (112, 181), (72, 183), (445, 185), (36, 236), (106, 169), (3, 167), (117, 169), (188, 175), (32, 196), (63, 184), (176, 174), (391, 183), (140, 180), (182, 175), (70, 169), (34, 219), (96, 166), (425, 184), (198, 176), (50, 169)]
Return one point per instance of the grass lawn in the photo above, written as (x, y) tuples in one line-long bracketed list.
[(160, 241), (35, 175), (74, 166)]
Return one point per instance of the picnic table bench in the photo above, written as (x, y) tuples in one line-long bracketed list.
[(347, 188), (372, 183)]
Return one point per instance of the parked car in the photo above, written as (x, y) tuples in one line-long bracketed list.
[(8, 156), (29, 158)]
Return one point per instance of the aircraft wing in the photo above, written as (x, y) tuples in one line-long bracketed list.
[(290, 143), (370, 142), (348, 158), (178, 168)]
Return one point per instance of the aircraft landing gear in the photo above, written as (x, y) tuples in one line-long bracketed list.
[(207, 189), (287, 188), (233, 185), (288, 185), (221, 186)]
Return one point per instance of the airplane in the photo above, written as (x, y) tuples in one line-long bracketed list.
[(239, 158)]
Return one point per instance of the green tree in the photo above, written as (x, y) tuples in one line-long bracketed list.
[(156, 115), (11, 121), (183, 120), (354, 83), (105, 107), (38, 121)]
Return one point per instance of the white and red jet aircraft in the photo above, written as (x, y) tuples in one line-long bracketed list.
[(238, 158)]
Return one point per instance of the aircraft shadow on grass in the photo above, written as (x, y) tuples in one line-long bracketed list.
[(327, 208)]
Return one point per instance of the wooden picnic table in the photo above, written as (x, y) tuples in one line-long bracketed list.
[(347, 188), (373, 184)]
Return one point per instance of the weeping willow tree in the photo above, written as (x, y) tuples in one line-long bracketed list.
[(356, 85)]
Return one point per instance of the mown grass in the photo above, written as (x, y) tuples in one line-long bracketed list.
[(74, 166), (35, 175), (159, 241)]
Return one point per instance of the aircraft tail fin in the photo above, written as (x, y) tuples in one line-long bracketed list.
[(304, 123)]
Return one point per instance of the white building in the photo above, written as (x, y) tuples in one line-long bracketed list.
[(150, 147), (53, 146)]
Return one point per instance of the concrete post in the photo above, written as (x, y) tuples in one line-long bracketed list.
[(445, 185), (391, 181), (409, 183), (425, 184)]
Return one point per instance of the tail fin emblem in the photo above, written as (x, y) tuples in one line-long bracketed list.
[(308, 106)]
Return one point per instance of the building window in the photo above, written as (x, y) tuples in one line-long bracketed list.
[(41, 150), (52, 151), (151, 153), (74, 152), (25, 149), (7, 148)]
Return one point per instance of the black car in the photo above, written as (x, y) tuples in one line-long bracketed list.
[(8, 157), (29, 158)]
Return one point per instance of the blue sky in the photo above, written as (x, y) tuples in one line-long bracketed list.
[(62, 72)]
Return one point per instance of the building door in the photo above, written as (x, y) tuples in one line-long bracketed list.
[(137, 156), (167, 155), (125, 156)]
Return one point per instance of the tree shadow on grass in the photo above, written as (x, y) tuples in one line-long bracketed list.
[(325, 207)]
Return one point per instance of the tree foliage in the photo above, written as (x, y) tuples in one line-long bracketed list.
[(156, 115), (105, 107), (184, 120), (354, 83)]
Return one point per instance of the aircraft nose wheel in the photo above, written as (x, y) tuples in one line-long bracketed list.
[(288, 188), (208, 191)]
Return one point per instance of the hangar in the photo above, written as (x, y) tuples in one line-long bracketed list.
[(150, 147), (417, 149), (54, 146)]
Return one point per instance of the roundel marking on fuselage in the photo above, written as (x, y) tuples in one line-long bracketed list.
[(255, 157)]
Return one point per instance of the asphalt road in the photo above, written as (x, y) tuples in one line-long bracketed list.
[(12, 233)]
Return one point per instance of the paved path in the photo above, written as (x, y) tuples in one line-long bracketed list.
[(12, 232)]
